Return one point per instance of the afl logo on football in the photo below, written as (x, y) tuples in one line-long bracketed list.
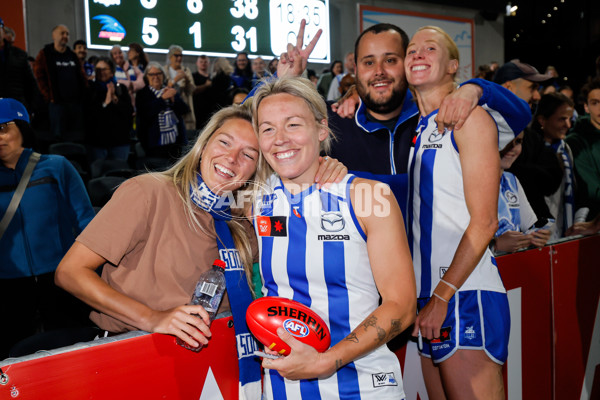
[(295, 327)]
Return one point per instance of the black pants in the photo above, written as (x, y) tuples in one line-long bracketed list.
[(33, 305)]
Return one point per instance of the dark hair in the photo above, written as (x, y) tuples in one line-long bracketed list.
[(78, 42), (333, 65), (548, 105), (143, 57), (111, 63), (236, 91), (378, 29), (588, 87), (26, 133), (246, 71)]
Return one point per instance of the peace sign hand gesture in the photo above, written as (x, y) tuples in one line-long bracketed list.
[(293, 62)]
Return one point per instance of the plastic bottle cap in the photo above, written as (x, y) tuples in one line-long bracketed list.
[(220, 263)]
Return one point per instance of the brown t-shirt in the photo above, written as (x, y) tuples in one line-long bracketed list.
[(154, 254)]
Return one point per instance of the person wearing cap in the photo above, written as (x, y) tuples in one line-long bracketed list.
[(53, 209), (16, 77), (521, 79), (537, 168)]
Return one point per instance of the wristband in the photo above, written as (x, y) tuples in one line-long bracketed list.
[(440, 297), (449, 284)]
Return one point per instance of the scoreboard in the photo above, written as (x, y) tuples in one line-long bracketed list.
[(219, 28)]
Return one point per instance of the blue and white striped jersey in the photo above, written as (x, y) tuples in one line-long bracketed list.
[(438, 214), (313, 250)]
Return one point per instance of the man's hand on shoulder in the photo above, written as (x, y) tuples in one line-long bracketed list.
[(348, 104), (457, 106)]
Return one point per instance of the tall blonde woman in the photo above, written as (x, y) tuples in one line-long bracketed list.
[(463, 321)]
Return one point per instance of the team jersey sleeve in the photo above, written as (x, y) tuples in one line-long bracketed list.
[(510, 113)]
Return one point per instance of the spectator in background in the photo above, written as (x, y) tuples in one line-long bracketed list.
[(126, 74), (16, 77), (259, 70), (53, 210), (494, 65), (242, 73), (346, 83), (238, 95), (326, 78), (538, 169), (180, 78), (312, 76), (203, 98), (515, 215), (521, 79), (109, 115), (10, 35), (567, 91), (349, 68), (80, 48), (62, 81), (222, 82), (273, 65), (551, 122), (584, 141), (159, 113), (137, 57)]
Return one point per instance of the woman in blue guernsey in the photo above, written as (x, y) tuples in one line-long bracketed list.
[(454, 177), (340, 250)]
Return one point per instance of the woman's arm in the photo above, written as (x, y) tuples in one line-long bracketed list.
[(76, 273), (478, 148), (391, 263)]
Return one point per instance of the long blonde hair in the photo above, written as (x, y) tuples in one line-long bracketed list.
[(183, 174)]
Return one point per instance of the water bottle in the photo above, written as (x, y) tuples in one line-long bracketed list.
[(208, 294)]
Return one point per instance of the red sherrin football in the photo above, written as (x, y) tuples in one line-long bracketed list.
[(266, 314)]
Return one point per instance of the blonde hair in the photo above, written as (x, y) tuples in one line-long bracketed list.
[(298, 87), (222, 65), (183, 174), (450, 45)]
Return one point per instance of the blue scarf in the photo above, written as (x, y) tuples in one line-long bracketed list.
[(238, 290), (509, 214), (167, 121), (569, 201)]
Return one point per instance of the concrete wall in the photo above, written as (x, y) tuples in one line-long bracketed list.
[(42, 15)]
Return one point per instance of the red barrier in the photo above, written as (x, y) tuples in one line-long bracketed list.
[(554, 349), (145, 367), (527, 279), (576, 287)]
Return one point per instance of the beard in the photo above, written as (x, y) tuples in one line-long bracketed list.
[(381, 106)]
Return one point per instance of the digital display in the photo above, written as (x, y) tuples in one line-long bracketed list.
[(220, 28)]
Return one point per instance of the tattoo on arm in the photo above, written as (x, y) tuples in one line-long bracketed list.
[(380, 334), (352, 338), (338, 364), (371, 321), (396, 328)]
